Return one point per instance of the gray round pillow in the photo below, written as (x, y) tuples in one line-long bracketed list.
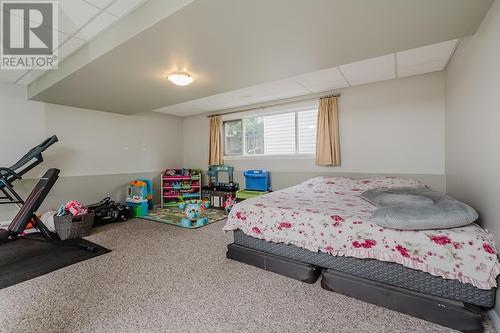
[(418, 209), (390, 199)]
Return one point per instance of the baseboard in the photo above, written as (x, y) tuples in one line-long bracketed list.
[(495, 319)]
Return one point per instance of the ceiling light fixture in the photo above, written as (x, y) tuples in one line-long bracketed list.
[(180, 78)]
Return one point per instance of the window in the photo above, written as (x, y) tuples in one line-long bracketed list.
[(285, 133), (233, 137), (307, 121), (254, 135)]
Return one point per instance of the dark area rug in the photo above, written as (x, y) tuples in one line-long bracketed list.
[(25, 258)]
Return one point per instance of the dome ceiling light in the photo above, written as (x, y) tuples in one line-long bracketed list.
[(180, 78)]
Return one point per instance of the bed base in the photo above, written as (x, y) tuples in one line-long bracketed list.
[(293, 269), (460, 316), (453, 314)]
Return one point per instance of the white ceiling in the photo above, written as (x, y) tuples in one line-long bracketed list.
[(219, 43), (417, 61), (79, 22)]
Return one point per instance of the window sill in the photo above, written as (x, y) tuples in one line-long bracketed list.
[(269, 157)]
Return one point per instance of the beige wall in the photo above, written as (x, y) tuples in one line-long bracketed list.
[(473, 123), (98, 152), (391, 127)]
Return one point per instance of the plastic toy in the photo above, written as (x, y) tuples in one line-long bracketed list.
[(229, 203), (73, 207), (107, 211), (149, 192), (170, 172), (214, 172), (194, 211), (257, 180), (137, 197)]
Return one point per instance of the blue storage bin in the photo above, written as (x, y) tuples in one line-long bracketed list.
[(257, 180)]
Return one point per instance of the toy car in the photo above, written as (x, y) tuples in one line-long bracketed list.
[(108, 211)]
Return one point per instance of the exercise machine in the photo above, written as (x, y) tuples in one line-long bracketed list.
[(8, 175), (24, 256), (27, 214)]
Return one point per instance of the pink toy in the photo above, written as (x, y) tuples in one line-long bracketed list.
[(229, 203), (75, 208)]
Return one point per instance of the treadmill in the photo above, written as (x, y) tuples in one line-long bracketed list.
[(8, 175)]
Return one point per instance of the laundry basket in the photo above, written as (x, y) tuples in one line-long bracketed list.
[(71, 227)]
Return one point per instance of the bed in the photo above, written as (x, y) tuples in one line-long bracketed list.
[(324, 227)]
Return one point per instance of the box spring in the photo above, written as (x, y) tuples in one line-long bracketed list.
[(287, 267), (442, 311), (384, 272)]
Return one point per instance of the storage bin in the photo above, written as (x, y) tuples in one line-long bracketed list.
[(245, 194), (257, 180), (71, 227)]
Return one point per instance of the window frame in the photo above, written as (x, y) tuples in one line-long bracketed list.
[(242, 135), (243, 115)]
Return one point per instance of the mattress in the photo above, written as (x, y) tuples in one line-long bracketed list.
[(328, 215), (385, 272)]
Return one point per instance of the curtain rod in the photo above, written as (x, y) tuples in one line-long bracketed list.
[(265, 105)]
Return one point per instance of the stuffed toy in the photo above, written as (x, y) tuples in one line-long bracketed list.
[(194, 213)]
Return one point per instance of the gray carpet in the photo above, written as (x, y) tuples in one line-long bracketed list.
[(161, 278)]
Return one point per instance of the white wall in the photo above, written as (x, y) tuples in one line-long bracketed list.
[(91, 142), (391, 127), (97, 152), (473, 123)]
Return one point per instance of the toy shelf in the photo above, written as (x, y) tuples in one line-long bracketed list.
[(178, 185), (179, 178), (172, 188)]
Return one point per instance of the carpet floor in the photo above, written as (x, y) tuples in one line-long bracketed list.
[(160, 278)]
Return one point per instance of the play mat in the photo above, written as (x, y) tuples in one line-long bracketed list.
[(174, 216)]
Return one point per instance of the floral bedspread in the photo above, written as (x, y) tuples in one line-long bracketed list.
[(327, 214)]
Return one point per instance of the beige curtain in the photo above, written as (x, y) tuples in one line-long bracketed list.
[(215, 143), (327, 136)]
